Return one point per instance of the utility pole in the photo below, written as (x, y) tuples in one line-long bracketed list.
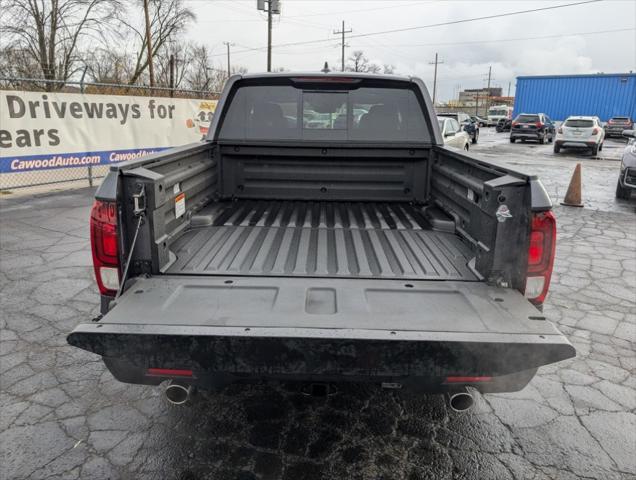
[(488, 88), (151, 68), (436, 62), (273, 7), (172, 62), (229, 70), (509, 88), (343, 44), (269, 36)]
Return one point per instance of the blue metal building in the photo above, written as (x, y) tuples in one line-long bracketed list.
[(559, 96)]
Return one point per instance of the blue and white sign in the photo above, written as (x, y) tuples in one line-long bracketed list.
[(44, 131)]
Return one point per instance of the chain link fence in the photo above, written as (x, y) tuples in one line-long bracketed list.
[(87, 174), (80, 176)]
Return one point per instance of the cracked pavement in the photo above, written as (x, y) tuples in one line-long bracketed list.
[(64, 416)]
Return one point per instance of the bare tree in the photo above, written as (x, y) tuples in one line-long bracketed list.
[(17, 62), (201, 74), (108, 66), (374, 68), (358, 62), (389, 69), (204, 75), (48, 32), (168, 19), (182, 59)]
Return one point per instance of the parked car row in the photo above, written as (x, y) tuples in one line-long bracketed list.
[(581, 133), (576, 132)]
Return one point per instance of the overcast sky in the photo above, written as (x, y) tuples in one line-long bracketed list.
[(507, 44)]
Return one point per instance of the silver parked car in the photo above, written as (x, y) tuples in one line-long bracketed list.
[(453, 133)]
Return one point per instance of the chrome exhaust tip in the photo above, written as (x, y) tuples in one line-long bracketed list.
[(178, 393), (461, 400)]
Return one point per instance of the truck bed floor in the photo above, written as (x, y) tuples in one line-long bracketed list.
[(319, 239)]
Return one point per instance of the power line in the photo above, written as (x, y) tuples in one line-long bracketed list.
[(487, 17), (358, 10), (391, 47), (434, 25), (250, 52), (479, 42)]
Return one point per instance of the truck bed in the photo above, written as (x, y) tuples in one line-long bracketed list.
[(319, 239)]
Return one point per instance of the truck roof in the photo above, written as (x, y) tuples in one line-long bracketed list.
[(319, 75)]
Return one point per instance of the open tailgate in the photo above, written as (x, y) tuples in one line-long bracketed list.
[(244, 325)]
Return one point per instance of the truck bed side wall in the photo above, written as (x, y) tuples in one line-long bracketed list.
[(189, 174), (491, 207)]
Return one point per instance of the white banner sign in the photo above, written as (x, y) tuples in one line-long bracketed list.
[(42, 130)]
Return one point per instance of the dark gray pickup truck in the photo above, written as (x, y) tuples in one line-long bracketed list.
[(322, 233)]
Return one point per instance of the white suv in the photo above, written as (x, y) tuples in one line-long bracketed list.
[(580, 132)]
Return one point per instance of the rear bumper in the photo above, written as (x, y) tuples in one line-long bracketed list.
[(617, 131), (534, 135), (575, 143)]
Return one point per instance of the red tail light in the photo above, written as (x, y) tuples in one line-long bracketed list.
[(105, 247), (610, 121), (514, 124), (320, 79), (595, 131), (540, 256), (539, 125)]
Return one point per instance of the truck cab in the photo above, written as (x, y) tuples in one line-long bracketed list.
[(497, 113)]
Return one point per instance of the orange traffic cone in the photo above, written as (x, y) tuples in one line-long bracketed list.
[(573, 195)]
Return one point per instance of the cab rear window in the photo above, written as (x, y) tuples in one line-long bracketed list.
[(283, 112)]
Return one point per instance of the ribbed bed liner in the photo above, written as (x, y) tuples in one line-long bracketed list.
[(319, 239)]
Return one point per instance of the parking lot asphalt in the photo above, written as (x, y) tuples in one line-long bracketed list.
[(64, 416)]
